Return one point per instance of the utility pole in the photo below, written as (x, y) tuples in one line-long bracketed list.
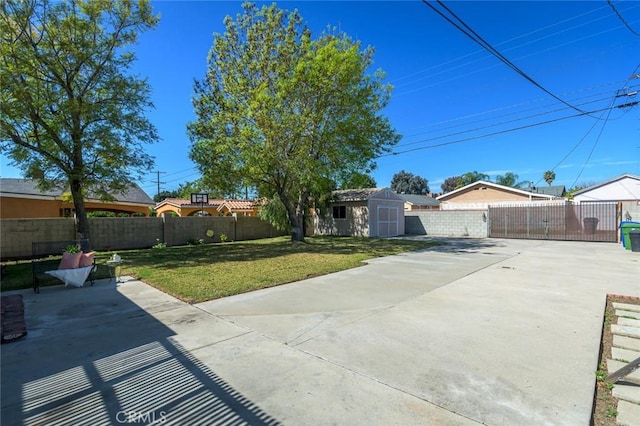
[(158, 181)]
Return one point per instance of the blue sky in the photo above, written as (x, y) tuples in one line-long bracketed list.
[(458, 107)]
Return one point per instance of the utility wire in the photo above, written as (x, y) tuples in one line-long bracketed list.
[(484, 120), (593, 148), (415, 73), (488, 126), (626, 24), (473, 35), (618, 94), (512, 107), (627, 105)]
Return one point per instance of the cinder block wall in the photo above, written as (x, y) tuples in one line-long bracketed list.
[(16, 235), (178, 230), (447, 223), (119, 233), (253, 228)]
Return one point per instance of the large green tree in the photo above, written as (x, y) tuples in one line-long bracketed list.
[(71, 115), (286, 113), (408, 183)]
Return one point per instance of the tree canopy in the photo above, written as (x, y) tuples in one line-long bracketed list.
[(471, 177), (510, 179), (71, 115), (451, 183), (408, 183), (288, 114), (549, 176)]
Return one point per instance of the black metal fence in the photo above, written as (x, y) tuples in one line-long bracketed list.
[(556, 221)]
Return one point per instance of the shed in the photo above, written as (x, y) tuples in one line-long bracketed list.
[(368, 212)]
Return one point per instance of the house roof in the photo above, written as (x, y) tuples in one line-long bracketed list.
[(419, 200), (184, 202), (607, 182), (239, 205), (495, 186), (20, 188), (555, 190)]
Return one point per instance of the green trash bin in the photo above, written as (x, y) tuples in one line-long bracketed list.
[(625, 229), (634, 237)]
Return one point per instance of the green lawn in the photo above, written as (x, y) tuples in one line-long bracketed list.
[(204, 272)]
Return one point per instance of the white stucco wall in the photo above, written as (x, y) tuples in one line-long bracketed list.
[(625, 189)]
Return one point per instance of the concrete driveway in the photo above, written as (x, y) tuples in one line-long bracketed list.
[(478, 331)]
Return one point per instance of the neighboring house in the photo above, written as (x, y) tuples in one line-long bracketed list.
[(21, 199), (240, 207), (184, 207), (558, 191), (622, 188), (414, 202), (370, 212), (479, 195)]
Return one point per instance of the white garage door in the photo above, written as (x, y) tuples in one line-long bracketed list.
[(387, 221)]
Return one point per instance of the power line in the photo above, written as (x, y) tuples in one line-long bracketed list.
[(510, 40), (494, 124), (484, 120), (626, 24), (473, 35), (511, 107), (627, 105)]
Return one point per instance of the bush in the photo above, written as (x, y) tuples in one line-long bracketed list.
[(101, 214), (223, 238), (159, 244)]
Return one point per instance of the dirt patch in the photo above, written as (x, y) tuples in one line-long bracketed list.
[(605, 404)]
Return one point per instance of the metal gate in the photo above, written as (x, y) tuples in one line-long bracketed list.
[(578, 222)]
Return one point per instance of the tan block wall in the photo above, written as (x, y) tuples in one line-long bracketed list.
[(120, 233), (178, 230), (253, 228), (111, 233), (16, 235)]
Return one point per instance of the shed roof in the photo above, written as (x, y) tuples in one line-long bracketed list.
[(15, 187)]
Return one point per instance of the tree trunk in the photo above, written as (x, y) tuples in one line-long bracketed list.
[(298, 231), (81, 213)]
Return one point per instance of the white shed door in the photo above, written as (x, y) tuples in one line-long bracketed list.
[(387, 221)]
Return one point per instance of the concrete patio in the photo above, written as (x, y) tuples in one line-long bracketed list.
[(478, 331)]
